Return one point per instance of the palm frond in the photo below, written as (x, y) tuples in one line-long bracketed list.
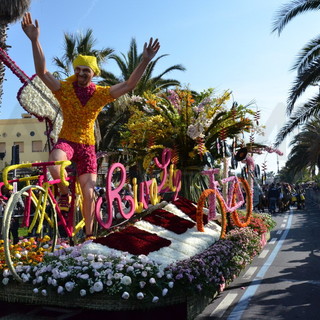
[(12, 10), (309, 76), (301, 115), (122, 64), (290, 10), (307, 54)]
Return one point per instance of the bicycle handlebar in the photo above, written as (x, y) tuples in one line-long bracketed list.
[(63, 165)]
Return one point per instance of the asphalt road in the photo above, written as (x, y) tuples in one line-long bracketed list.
[(283, 282)]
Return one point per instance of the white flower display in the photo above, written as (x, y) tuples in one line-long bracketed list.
[(98, 286), (125, 295), (84, 276), (60, 290), (83, 292), (183, 246), (69, 286), (164, 292), (140, 295), (37, 99), (96, 265), (126, 280), (6, 273)]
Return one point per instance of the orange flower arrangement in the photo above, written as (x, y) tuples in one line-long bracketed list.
[(26, 251), (235, 216), (199, 212)]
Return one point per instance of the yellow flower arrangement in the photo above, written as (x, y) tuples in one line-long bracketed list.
[(26, 252), (187, 122)]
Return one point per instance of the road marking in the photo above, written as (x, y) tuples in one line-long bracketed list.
[(263, 253), (249, 273), (279, 231), (272, 241), (223, 305), (283, 225), (242, 305)]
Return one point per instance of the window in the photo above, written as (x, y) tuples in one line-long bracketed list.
[(21, 146), (2, 147), (37, 146), (32, 133), (18, 134)]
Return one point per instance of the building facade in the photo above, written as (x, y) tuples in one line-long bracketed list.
[(29, 134)]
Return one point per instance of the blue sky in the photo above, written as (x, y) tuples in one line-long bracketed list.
[(223, 44)]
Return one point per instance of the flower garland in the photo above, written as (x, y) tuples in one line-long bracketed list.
[(199, 214), (235, 216)]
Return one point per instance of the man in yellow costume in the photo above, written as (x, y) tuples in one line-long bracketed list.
[(81, 101)]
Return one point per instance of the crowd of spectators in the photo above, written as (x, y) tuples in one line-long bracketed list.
[(279, 197)]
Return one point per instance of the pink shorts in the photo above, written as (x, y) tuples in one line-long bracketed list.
[(82, 154)]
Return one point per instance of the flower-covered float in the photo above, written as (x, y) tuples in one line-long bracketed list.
[(167, 252)]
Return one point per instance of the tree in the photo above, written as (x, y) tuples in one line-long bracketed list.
[(112, 119), (307, 66), (10, 11), (75, 44), (305, 152), (127, 63)]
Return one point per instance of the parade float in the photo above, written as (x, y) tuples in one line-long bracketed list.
[(187, 225)]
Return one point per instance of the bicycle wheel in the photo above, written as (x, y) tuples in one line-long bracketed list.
[(245, 188), (199, 213), (44, 220)]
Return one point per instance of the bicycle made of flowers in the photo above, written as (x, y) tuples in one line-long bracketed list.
[(41, 213), (238, 194)]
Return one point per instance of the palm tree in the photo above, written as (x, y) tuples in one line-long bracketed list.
[(113, 118), (10, 11), (127, 63), (307, 66), (301, 115), (75, 44), (305, 152)]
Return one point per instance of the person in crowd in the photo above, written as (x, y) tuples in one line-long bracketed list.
[(273, 197)]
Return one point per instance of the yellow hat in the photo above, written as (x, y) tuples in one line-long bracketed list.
[(88, 61)]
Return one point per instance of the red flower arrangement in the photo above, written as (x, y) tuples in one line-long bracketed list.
[(169, 221), (134, 241)]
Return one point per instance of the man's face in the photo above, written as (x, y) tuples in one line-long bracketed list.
[(84, 75)]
